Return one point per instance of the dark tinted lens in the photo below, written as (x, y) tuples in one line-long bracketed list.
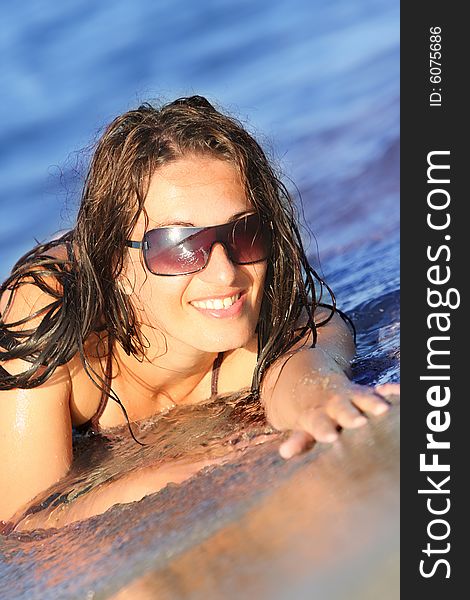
[(184, 250), (172, 251), (249, 241)]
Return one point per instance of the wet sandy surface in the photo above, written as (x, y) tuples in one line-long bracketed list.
[(323, 525), (327, 528)]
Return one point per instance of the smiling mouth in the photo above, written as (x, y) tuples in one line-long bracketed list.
[(217, 303)]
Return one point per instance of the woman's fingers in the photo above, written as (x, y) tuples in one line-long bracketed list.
[(313, 424), (298, 442), (318, 424), (344, 409), (370, 402), (388, 389), (341, 410)]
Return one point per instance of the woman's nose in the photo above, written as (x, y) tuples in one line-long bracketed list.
[(219, 266)]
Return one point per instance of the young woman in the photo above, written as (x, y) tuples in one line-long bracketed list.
[(184, 278)]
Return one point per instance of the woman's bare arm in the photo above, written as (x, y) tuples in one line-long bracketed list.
[(35, 439), (35, 424), (308, 390)]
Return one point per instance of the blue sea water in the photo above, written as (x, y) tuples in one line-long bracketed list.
[(316, 81)]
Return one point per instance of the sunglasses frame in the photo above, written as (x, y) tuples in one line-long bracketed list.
[(144, 245)]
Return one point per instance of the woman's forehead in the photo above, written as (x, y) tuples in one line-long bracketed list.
[(195, 190)]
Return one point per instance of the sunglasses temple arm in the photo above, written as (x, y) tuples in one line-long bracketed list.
[(137, 245)]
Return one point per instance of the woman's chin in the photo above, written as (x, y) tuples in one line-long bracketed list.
[(224, 342)]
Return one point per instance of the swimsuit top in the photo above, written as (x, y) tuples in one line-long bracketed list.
[(93, 423)]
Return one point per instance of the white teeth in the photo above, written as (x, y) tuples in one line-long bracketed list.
[(217, 303)]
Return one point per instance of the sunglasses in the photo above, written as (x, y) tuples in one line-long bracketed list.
[(186, 250)]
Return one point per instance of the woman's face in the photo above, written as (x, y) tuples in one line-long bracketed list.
[(197, 190)]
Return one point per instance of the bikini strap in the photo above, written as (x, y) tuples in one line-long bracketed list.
[(215, 373)]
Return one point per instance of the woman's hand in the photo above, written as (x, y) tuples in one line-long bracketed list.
[(313, 398)]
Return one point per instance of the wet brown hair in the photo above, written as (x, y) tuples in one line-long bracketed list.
[(86, 296)]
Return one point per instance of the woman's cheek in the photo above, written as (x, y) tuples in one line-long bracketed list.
[(162, 299)]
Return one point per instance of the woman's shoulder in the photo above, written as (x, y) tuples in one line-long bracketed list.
[(27, 297)]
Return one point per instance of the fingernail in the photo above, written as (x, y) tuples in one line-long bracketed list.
[(380, 409), (285, 452), (358, 421), (331, 437)]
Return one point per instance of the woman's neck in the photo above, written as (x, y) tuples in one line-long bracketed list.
[(168, 369)]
